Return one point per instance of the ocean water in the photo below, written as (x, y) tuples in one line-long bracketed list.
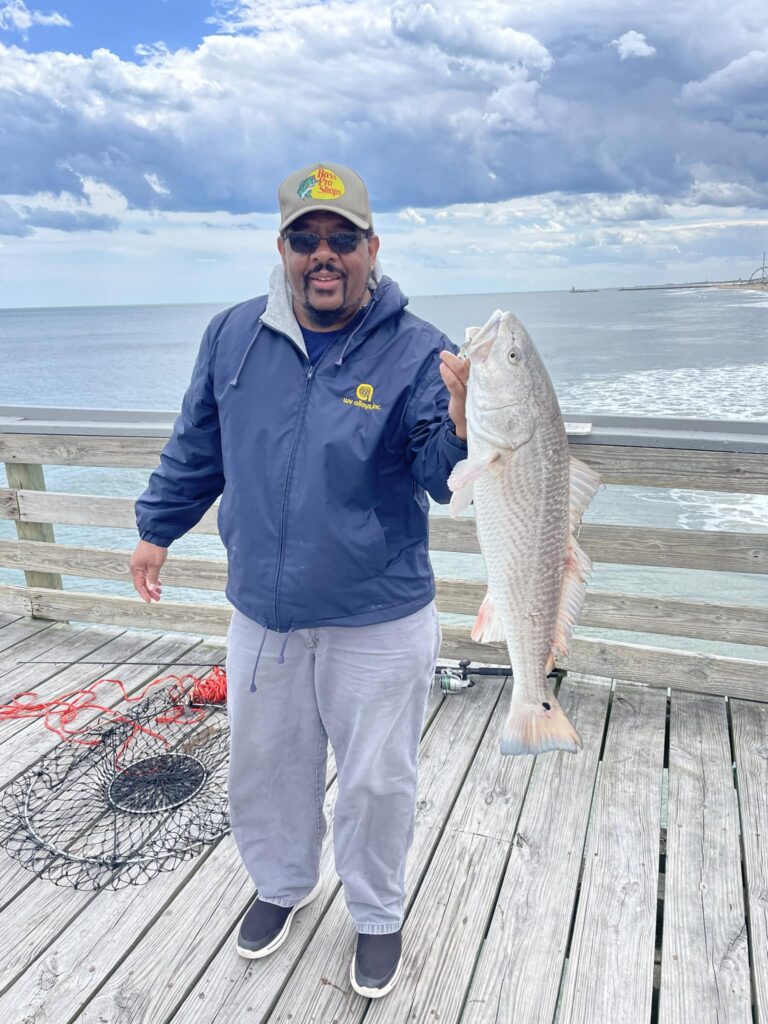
[(690, 353)]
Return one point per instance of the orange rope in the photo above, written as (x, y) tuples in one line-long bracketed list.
[(188, 695)]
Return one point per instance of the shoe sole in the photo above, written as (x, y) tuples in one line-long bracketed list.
[(375, 993), (282, 935)]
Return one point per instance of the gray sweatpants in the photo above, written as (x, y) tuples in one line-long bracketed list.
[(365, 688)]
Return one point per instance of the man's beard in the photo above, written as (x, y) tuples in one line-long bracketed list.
[(328, 317)]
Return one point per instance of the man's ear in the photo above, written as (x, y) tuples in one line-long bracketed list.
[(281, 247), (373, 248)]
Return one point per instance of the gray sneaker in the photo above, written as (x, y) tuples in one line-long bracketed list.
[(376, 967), (265, 926)]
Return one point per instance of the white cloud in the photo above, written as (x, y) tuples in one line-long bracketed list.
[(156, 184), (15, 15), (412, 215), (498, 124), (633, 44)]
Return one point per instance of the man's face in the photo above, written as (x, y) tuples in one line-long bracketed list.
[(328, 287)]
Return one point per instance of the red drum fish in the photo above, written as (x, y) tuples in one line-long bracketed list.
[(529, 496)]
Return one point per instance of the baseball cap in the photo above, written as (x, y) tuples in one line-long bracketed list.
[(325, 186)]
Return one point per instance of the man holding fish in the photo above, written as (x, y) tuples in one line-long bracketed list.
[(323, 414)]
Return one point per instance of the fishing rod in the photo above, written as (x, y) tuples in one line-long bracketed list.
[(452, 679)]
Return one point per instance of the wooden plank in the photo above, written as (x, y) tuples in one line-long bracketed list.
[(110, 564), (16, 632), (46, 964), (518, 973), (655, 666), (703, 619), (720, 550), (750, 746), (178, 616), (29, 476), (81, 450), (610, 972), (617, 464), (706, 620), (85, 510), (22, 673), (232, 990), (684, 670), (745, 472), (705, 963)]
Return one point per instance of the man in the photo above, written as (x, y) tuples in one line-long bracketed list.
[(320, 414)]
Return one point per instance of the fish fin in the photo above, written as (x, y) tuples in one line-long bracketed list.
[(535, 730), (488, 626), (468, 470), (584, 482), (461, 499), (573, 593), (463, 477), (583, 485)]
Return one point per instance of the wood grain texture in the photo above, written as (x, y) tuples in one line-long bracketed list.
[(750, 746), (684, 670), (517, 977), (319, 991), (616, 464), (705, 963), (610, 971), (706, 620), (31, 477), (726, 551)]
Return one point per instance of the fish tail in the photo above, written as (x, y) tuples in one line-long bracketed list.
[(534, 729)]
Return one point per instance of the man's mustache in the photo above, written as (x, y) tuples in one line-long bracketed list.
[(329, 267)]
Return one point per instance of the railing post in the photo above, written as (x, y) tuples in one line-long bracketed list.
[(29, 476)]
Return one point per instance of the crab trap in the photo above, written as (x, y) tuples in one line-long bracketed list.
[(126, 798)]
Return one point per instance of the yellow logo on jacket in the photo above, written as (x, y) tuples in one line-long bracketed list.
[(363, 398)]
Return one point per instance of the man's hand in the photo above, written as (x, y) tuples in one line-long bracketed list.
[(455, 373), (146, 562)]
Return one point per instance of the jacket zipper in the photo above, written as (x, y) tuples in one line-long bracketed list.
[(286, 488), (299, 426)]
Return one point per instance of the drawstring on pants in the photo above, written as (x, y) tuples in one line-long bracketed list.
[(280, 657)]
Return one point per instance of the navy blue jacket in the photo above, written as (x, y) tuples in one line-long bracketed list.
[(322, 469)]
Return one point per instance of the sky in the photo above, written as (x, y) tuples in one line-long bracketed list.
[(507, 145)]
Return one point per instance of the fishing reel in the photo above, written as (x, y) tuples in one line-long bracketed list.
[(453, 681)]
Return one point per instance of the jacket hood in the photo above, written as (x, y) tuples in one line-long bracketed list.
[(386, 301)]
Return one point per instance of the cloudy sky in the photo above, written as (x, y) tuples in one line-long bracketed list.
[(507, 144)]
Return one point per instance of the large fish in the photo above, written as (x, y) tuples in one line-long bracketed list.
[(529, 496)]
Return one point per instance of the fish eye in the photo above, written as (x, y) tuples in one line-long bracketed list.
[(513, 355)]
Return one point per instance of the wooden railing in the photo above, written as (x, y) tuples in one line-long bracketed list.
[(722, 457)]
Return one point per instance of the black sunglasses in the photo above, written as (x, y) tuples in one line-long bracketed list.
[(339, 241)]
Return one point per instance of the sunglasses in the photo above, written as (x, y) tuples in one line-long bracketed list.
[(338, 241)]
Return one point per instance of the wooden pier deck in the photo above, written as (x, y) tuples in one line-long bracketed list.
[(628, 883)]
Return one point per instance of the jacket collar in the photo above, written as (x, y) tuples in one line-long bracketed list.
[(279, 314)]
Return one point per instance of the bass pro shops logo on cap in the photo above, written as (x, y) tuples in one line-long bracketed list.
[(322, 183)]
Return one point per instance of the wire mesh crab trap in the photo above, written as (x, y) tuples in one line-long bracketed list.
[(125, 801)]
